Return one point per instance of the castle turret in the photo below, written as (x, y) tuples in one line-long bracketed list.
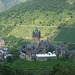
[(36, 38)]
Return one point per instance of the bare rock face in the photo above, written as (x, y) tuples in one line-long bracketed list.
[(6, 4), (1, 5)]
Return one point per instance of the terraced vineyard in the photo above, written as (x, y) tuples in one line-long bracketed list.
[(66, 35), (18, 35), (25, 32)]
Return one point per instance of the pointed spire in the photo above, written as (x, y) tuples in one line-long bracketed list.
[(36, 30)]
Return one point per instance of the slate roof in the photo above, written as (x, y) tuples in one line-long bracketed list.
[(36, 31), (29, 46), (65, 54), (71, 52), (4, 51), (46, 42), (59, 47)]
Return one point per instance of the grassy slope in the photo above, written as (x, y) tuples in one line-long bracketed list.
[(23, 31), (66, 35), (12, 40), (18, 35), (33, 12)]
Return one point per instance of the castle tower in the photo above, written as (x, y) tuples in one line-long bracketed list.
[(36, 38)]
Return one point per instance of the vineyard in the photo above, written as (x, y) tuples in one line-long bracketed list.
[(66, 35)]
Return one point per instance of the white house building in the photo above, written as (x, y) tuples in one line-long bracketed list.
[(43, 57)]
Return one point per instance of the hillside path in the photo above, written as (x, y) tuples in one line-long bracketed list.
[(29, 25)]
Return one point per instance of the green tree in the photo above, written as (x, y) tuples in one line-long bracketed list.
[(15, 53)]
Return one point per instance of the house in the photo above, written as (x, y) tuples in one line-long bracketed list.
[(4, 53), (44, 57), (59, 50), (2, 42), (72, 54)]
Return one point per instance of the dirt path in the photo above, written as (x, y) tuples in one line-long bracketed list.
[(29, 25), (36, 26)]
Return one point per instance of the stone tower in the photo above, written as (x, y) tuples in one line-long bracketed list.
[(36, 38)]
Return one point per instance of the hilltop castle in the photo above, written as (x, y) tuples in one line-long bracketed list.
[(39, 47)]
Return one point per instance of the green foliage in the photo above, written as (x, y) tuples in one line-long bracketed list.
[(6, 70), (12, 41), (9, 59), (14, 52), (50, 67), (61, 70), (6, 32), (71, 46), (59, 27), (66, 35), (40, 12), (19, 36)]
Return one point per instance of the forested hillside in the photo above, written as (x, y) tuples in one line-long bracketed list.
[(5, 4), (18, 23), (41, 12), (49, 67), (35, 12)]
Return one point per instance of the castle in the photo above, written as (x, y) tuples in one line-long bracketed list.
[(39, 47)]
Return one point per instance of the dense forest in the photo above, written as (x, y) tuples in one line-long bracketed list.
[(41, 12), (35, 12), (49, 67)]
